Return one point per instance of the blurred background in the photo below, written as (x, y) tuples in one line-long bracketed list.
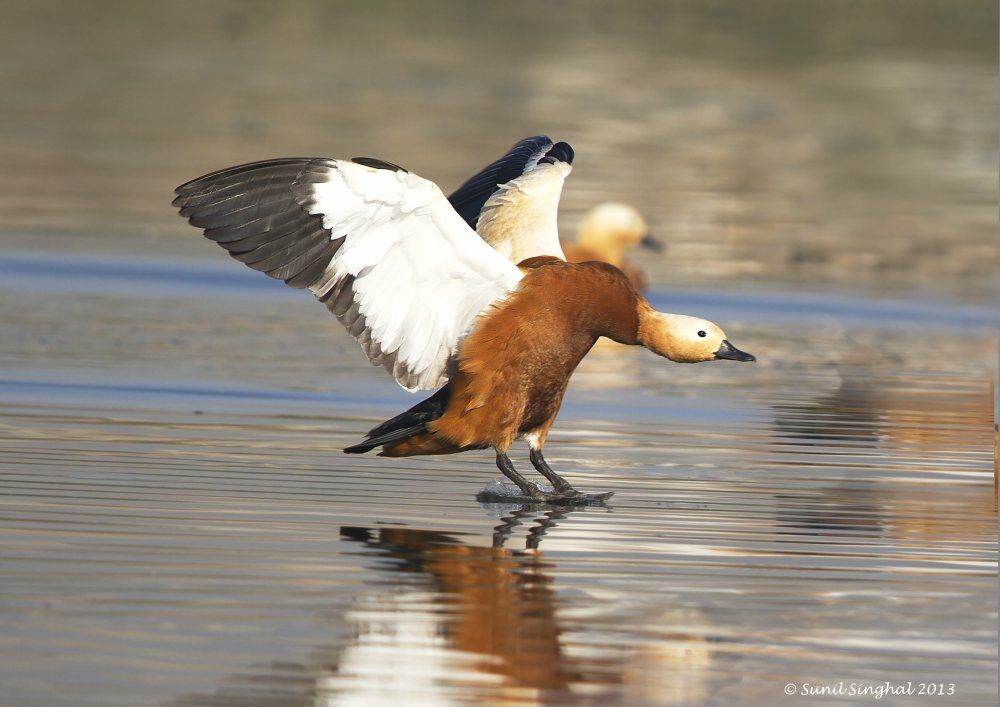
[(179, 524), (837, 144)]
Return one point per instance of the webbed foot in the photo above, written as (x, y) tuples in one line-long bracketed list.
[(535, 496), (576, 498)]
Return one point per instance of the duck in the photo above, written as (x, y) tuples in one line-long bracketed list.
[(435, 304), (607, 232)]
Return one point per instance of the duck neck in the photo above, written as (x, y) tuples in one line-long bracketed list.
[(614, 308), (657, 333)]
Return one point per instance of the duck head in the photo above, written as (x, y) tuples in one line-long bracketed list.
[(686, 339), (612, 228)]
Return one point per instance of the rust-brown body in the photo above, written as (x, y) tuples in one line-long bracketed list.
[(576, 253), (513, 369)]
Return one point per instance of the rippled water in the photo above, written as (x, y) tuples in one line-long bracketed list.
[(179, 524), (181, 528)]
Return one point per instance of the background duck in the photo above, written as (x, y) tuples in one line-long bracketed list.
[(607, 233)]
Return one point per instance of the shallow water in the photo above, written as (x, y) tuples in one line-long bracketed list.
[(181, 528)]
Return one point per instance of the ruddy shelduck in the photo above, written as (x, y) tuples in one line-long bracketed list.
[(607, 233), (438, 305)]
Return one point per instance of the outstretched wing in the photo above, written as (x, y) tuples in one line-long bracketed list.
[(513, 202), (470, 198), (381, 247)]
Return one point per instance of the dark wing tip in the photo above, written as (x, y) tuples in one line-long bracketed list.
[(469, 199), (259, 212), (226, 175), (534, 143), (378, 164), (560, 152)]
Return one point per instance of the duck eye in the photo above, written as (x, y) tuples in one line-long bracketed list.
[(702, 334)]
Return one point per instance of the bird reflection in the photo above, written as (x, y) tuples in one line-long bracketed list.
[(871, 417), (517, 515), (848, 415), (500, 603), (846, 419), (457, 621), (482, 618)]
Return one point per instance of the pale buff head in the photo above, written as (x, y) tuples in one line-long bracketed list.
[(612, 228), (685, 339)]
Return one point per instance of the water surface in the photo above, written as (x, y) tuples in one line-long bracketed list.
[(180, 526)]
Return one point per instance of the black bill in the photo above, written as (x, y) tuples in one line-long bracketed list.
[(650, 242), (731, 353)]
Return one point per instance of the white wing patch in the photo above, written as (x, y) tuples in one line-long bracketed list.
[(411, 277)]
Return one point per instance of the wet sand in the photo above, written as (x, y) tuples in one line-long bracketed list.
[(181, 528)]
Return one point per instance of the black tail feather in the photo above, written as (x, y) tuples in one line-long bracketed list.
[(370, 443), (406, 424)]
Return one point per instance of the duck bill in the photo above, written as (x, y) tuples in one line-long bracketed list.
[(650, 242), (731, 353)]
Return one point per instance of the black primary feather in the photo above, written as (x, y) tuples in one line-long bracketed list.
[(560, 152), (468, 200), (378, 164), (259, 212)]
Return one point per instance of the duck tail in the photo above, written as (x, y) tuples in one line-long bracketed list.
[(404, 425), (369, 443)]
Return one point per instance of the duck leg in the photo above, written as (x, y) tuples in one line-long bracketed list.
[(534, 495), (531, 492), (563, 491), (559, 484)]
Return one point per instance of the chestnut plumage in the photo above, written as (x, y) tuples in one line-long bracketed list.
[(494, 318)]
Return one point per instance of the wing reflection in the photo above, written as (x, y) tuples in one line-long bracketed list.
[(496, 604)]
